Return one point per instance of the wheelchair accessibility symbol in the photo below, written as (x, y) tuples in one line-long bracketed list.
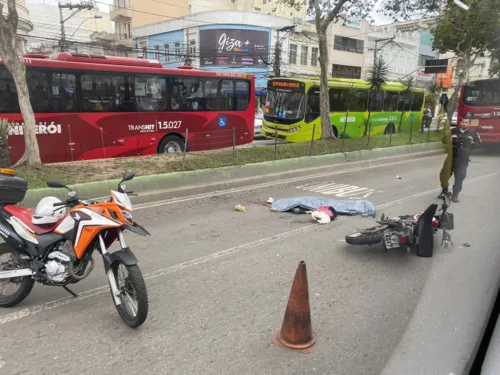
[(222, 122)]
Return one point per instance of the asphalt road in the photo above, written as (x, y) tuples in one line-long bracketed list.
[(219, 280)]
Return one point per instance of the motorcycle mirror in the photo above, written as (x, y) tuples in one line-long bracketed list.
[(128, 176), (56, 184)]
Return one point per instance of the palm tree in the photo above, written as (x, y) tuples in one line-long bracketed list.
[(433, 91), (349, 98), (377, 76), (4, 145), (409, 84)]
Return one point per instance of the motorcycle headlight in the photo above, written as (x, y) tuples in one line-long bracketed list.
[(127, 215)]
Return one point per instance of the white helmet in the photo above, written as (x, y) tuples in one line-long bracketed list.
[(46, 213)]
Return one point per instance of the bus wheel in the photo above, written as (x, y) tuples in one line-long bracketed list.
[(390, 129), (171, 144), (335, 131)]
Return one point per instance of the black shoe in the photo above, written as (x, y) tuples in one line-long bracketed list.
[(444, 194)]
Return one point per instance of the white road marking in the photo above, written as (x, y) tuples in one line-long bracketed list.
[(144, 206), (339, 190), (165, 271)]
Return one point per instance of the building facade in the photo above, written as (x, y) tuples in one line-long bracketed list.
[(46, 33), (25, 26), (347, 48), (130, 14), (236, 41)]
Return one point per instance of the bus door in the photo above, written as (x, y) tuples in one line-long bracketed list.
[(313, 106)]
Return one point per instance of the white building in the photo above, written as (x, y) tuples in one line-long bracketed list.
[(25, 25), (79, 28)]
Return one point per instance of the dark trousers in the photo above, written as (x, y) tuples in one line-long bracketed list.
[(456, 167)]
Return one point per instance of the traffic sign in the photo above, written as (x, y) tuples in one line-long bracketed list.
[(222, 122)]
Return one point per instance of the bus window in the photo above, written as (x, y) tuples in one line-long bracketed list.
[(404, 102), (242, 95), (64, 92), (360, 101), (226, 96), (187, 94), (337, 100), (417, 99), (375, 100), (40, 91), (210, 93), (391, 101), (103, 93), (8, 93), (150, 93)]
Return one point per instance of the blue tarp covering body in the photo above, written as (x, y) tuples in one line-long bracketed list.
[(343, 207)]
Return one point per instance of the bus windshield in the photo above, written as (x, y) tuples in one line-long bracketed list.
[(285, 104), (484, 93)]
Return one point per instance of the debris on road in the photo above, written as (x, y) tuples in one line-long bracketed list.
[(466, 245), (324, 215), (352, 207), (398, 177), (240, 208)]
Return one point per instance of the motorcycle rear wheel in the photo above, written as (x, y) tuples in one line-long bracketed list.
[(133, 294), (25, 283), (369, 236)]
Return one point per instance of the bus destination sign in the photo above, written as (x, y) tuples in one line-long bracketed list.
[(287, 84)]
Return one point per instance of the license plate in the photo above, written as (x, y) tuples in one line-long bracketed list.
[(391, 240)]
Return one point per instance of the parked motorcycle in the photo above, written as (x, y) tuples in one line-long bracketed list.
[(54, 245), (407, 231)]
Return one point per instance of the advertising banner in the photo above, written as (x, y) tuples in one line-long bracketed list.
[(233, 47)]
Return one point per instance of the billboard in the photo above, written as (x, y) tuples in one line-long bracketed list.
[(436, 66), (234, 47)]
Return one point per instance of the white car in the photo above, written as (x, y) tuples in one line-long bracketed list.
[(257, 128)]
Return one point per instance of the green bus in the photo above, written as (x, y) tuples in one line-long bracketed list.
[(292, 109)]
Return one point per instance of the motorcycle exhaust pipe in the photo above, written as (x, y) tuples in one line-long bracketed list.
[(15, 273), (88, 270)]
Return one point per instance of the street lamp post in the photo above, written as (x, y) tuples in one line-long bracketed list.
[(96, 17)]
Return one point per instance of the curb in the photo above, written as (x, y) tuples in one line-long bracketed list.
[(169, 185)]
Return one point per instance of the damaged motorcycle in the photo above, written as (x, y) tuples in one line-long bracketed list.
[(409, 231)]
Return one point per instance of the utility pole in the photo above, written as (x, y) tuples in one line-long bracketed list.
[(376, 48), (277, 51), (78, 8), (187, 60)]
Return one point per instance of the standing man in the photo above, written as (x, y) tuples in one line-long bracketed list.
[(463, 140)]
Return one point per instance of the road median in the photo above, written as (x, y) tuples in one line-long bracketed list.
[(182, 183)]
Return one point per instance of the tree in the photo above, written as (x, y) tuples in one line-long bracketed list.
[(377, 76), (494, 70), (469, 34), (325, 12), (4, 144), (432, 96), (409, 84), (11, 47)]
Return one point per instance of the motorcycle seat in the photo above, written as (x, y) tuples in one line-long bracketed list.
[(25, 216)]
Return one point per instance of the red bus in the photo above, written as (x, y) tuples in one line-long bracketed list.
[(91, 107), (480, 102)]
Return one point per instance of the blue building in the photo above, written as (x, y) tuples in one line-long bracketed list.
[(232, 42)]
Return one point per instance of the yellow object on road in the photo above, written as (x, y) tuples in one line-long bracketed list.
[(240, 208)]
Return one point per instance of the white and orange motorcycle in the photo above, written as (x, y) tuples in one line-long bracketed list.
[(54, 245)]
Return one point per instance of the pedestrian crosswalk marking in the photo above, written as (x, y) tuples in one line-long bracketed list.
[(339, 190)]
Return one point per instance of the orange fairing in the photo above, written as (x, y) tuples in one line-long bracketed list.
[(103, 216)]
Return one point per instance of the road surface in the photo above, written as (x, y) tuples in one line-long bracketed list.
[(219, 281)]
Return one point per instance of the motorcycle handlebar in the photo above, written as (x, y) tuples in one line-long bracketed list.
[(60, 204)]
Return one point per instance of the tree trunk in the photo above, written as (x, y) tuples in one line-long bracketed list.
[(367, 122), (324, 98), (18, 70)]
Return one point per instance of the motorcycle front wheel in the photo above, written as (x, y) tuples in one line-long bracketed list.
[(370, 236), (133, 294)]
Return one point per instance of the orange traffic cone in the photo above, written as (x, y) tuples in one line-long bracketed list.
[(296, 331)]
